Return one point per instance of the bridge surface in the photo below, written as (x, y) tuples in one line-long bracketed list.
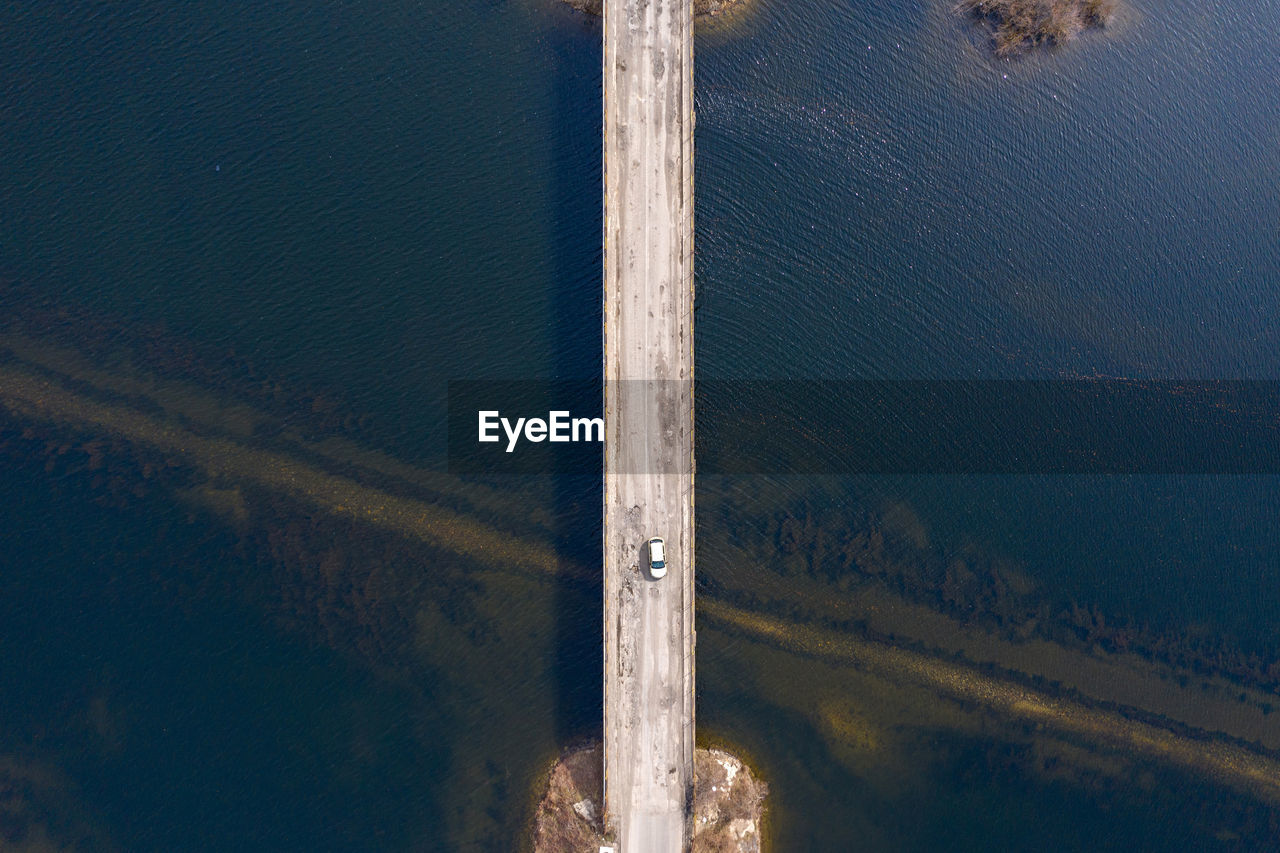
[(648, 359)]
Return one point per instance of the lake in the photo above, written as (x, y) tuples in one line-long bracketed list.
[(245, 249)]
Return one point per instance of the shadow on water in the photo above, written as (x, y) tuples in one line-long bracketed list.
[(577, 221)]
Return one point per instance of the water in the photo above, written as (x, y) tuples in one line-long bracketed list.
[(1071, 211), (363, 202)]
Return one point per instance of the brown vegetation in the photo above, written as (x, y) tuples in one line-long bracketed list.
[(727, 804), (996, 596), (1245, 767), (153, 354), (347, 584), (1019, 25), (577, 778)]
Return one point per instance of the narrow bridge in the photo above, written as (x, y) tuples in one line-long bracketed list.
[(648, 469)]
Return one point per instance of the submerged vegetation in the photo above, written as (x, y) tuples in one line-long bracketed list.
[(1019, 25), (39, 811), (260, 500), (994, 596), (870, 643)]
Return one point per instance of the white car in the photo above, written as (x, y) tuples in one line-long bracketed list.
[(657, 558)]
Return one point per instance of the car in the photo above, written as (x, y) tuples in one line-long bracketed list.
[(657, 558)]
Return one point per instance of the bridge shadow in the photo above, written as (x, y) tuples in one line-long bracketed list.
[(577, 263)]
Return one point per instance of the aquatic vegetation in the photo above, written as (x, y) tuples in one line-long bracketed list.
[(997, 597), (846, 725), (221, 458), (1020, 25), (367, 555), (1228, 762), (407, 608), (304, 521), (39, 812), (1033, 686), (938, 739), (318, 528)]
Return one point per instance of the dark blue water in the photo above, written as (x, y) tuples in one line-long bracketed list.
[(1107, 209), (880, 199), (367, 200)]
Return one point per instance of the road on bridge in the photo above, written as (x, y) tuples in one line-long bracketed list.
[(648, 335)]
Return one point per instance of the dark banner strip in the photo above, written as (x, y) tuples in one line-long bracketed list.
[(892, 427)]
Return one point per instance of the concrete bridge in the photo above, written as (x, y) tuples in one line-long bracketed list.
[(648, 361)]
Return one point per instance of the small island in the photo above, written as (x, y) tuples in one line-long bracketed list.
[(728, 804), (1019, 25)]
